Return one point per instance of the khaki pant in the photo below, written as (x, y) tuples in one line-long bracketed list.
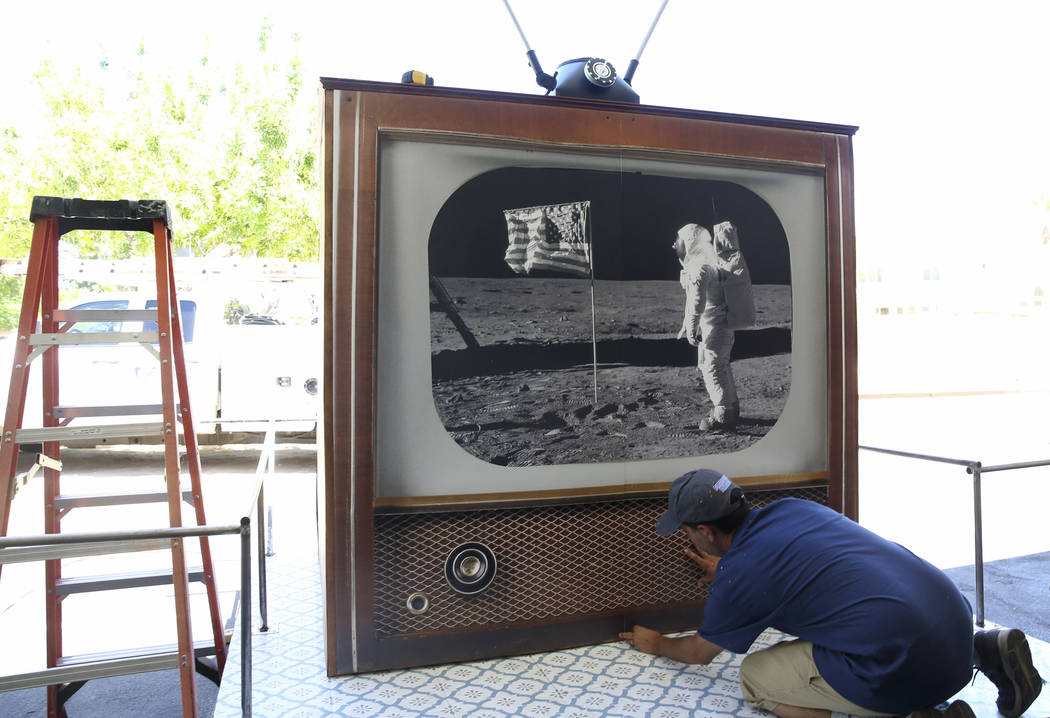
[(785, 674)]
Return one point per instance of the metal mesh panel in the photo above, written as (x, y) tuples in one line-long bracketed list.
[(553, 561)]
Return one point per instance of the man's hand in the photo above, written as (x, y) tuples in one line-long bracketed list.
[(684, 649), (644, 639), (705, 561)]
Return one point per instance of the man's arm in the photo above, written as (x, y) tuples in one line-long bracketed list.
[(684, 649)]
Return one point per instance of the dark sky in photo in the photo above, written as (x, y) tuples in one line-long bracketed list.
[(635, 218)]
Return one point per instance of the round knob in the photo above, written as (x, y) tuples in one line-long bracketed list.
[(600, 72), (470, 568)]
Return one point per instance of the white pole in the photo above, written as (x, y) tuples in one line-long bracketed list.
[(594, 331)]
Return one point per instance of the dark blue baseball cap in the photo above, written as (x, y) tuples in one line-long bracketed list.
[(699, 497)]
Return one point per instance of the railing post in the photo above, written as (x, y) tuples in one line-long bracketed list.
[(266, 466), (246, 617), (261, 533), (978, 541)]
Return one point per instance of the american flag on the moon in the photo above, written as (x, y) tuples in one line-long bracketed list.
[(550, 237)]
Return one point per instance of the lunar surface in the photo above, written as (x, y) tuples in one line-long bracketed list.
[(538, 391)]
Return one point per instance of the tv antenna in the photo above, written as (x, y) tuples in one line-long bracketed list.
[(590, 77)]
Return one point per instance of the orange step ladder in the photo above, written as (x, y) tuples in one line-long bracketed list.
[(42, 329)]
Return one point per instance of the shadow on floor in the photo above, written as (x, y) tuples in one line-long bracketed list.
[(155, 694), (1016, 592)]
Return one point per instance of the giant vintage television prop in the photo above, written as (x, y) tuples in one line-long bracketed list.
[(506, 396)]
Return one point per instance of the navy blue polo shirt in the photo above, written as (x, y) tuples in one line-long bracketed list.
[(890, 631)]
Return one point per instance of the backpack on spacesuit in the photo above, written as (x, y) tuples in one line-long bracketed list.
[(736, 279)]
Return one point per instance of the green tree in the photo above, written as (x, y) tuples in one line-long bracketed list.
[(232, 150)]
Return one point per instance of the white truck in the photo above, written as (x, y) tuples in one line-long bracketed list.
[(248, 370)]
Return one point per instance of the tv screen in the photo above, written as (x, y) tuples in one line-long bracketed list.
[(530, 316)]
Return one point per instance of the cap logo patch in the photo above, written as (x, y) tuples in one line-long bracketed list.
[(723, 484)]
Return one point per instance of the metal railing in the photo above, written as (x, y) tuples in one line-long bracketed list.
[(976, 469), (17, 549), (51, 546)]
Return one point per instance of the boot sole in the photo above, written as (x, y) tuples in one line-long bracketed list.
[(959, 709), (1017, 662)]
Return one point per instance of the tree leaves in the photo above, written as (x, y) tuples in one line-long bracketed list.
[(232, 149)]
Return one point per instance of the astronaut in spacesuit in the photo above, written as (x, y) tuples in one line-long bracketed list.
[(718, 300)]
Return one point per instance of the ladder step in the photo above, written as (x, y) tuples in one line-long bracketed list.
[(78, 412), (105, 315), (104, 431), (113, 582), (104, 665), (116, 498), (201, 647), (74, 338), (129, 215)]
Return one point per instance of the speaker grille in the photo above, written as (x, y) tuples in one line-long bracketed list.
[(553, 562)]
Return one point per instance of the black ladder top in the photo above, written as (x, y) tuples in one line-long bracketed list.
[(132, 215)]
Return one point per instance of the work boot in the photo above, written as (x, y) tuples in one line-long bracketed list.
[(1003, 655), (958, 709)]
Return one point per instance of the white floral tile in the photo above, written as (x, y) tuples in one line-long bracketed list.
[(603, 681)]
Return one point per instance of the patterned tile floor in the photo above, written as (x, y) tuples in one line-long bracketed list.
[(289, 679)]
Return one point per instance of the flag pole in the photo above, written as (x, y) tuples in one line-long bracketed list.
[(594, 331)]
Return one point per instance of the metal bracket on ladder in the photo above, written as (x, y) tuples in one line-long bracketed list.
[(42, 329), (42, 461)]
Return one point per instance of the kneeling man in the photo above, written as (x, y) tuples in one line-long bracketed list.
[(880, 632)]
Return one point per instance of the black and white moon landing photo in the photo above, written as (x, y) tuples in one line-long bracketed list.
[(558, 365)]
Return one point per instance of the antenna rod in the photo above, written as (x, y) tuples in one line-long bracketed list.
[(542, 78), (521, 32), (634, 63)]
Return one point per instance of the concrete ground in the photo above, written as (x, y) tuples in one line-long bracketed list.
[(924, 505)]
